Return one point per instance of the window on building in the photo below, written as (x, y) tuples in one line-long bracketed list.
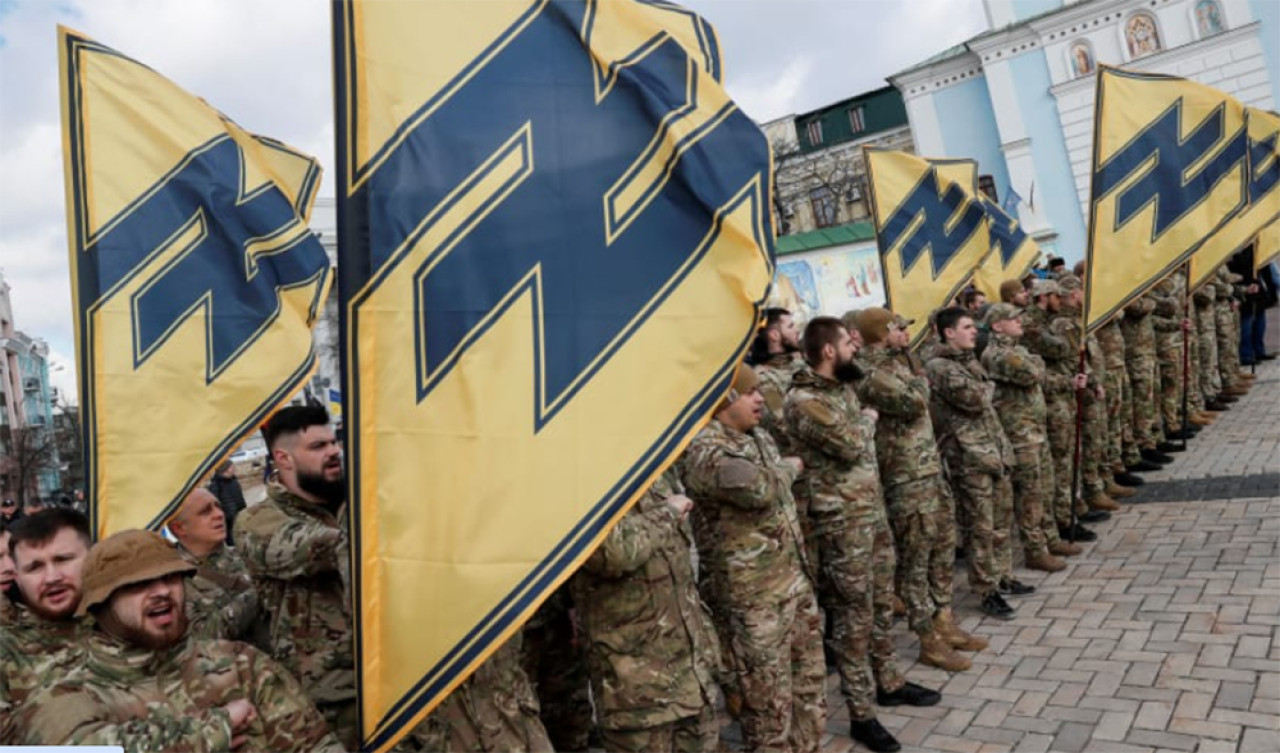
[(857, 119), (987, 185), (824, 206), (1209, 18), (1141, 35), (814, 130)]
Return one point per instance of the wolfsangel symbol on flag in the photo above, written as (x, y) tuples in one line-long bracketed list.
[(555, 245), (931, 230), (195, 280), (1264, 198), (1268, 246), (1170, 167)]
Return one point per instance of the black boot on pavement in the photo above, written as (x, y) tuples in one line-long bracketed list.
[(994, 605), (1094, 516), (1144, 466), (872, 734), (1081, 533), (1155, 456), (1168, 447), (909, 694), (1015, 587), (1129, 479)]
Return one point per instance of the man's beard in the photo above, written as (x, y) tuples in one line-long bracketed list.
[(847, 372), (332, 492), (789, 348), (138, 636)]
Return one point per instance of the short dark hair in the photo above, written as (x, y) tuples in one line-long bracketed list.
[(40, 527), (969, 296), (820, 332), (1057, 261), (293, 419), (948, 318), (760, 346)]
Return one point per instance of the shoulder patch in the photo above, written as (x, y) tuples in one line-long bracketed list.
[(816, 411), (736, 473)]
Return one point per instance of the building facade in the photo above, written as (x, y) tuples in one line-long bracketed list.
[(29, 462), (819, 172), (1019, 98)]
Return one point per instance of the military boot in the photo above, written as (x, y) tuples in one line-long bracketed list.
[(1065, 549), (1103, 502), (899, 607), (1045, 562), (1200, 419), (1115, 490), (944, 624), (936, 652)]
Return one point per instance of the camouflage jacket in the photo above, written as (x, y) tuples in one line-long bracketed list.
[(652, 651), (775, 379), (1069, 326), (1059, 359), (221, 600), (1205, 295), (33, 652), (1168, 314), (1111, 340), (969, 432), (171, 700), (296, 553), (749, 538), (1138, 329), (1019, 396), (905, 446), (495, 709)]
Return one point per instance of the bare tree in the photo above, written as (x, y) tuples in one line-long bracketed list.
[(68, 440), (32, 451), (797, 174)]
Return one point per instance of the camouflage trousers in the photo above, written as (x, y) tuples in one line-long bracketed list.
[(1210, 375), (1029, 490), (1048, 520), (342, 719), (1142, 380), (692, 734), (1119, 434), (1228, 334), (922, 549), (1195, 398), (775, 644), (1093, 451), (855, 585), (1061, 426), (556, 663), (988, 502), (1169, 359)]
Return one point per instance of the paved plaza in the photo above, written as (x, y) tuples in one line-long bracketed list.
[(1162, 636)]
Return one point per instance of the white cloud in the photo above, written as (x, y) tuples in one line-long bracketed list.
[(769, 97)]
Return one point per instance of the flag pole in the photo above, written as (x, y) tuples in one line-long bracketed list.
[(1079, 441), (1186, 351)]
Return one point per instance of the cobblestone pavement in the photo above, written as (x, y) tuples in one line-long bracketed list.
[(1163, 635)]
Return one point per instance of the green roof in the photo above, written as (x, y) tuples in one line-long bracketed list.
[(838, 235)]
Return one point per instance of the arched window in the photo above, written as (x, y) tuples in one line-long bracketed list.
[(1081, 55), (1141, 35), (1209, 18)]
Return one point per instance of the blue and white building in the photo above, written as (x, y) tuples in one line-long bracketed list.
[(1019, 97)]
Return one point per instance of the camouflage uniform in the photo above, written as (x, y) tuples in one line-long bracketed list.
[(171, 700), (911, 474), (1019, 402), (775, 379), (979, 457), (221, 600), (555, 660), (33, 651), (297, 555), (850, 531), (1167, 321), (1227, 330), (495, 709), (651, 646), (1140, 360), (1069, 326), (1060, 410), (1121, 449), (741, 489), (1206, 329)]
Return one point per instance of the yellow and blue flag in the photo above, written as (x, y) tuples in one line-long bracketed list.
[(1170, 167), (194, 277), (1013, 252), (931, 231), (1267, 247), (1264, 198), (555, 246)]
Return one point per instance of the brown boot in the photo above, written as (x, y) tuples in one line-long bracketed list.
[(1103, 502), (899, 607), (1115, 490), (937, 652), (1046, 562), (1065, 549), (1237, 391), (944, 624), (1246, 375), (1201, 419)]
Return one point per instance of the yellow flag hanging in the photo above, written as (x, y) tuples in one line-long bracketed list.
[(1268, 245), (930, 230), (1264, 198), (554, 252), (1169, 169), (194, 276)]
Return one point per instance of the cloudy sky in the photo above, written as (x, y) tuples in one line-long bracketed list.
[(266, 64)]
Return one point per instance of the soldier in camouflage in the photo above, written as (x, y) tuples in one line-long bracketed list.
[(1211, 385), (1227, 319), (145, 685), (1138, 326), (976, 451), (41, 631), (835, 436), (1120, 445), (919, 513), (494, 710), (295, 546), (221, 599), (651, 646), (555, 660), (1167, 320), (776, 355), (741, 488), (1019, 377)]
